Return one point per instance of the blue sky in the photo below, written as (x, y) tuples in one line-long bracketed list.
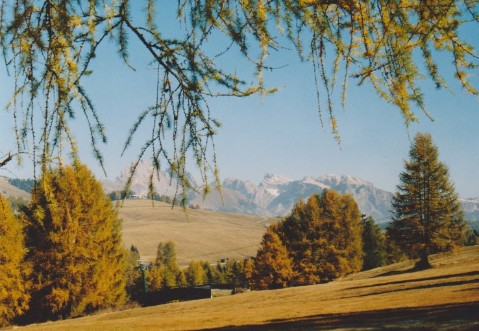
[(282, 133)]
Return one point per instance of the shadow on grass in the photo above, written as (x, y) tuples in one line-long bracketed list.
[(420, 287), (464, 274), (451, 317), (397, 272)]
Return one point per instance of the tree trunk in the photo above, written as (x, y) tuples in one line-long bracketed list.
[(423, 262)]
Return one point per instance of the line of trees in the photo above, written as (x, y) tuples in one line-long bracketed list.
[(325, 238), (61, 256), (122, 194), (23, 184), (318, 242), (165, 272)]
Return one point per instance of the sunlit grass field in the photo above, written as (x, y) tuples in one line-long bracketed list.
[(445, 297), (198, 234)]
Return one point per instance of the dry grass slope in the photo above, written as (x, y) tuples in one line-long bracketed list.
[(9, 190), (198, 234), (393, 297)]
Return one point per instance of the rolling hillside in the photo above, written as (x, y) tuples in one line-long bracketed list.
[(445, 297), (198, 234), (10, 190)]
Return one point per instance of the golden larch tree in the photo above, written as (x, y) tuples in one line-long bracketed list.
[(14, 289), (323, 237), (273, 267), (74, 237)]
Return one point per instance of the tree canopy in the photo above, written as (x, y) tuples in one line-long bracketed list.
[(273, 268), (374, 244), (320, 240), (74, 241), (427, 214), (14, 271), (165, 271), (49, 47)]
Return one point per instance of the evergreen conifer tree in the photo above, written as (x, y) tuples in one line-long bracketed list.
[(209, 272), (74, 238), (134, 279), (374, 245), (427, 214), (394, 253), (14, 289)]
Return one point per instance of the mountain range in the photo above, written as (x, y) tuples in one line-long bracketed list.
[(274, 196)]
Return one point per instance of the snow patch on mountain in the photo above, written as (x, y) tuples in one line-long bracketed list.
[(246, 188), (276, 195), (272, 183)]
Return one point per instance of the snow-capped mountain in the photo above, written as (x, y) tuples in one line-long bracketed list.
[(471, 209), (276, 195)]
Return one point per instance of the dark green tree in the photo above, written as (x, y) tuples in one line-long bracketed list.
[(471, 237), (427, 213), (394, 253), (374, 245), (209, 272), (134, 279)]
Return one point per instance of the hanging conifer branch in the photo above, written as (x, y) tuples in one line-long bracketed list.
[(6, 159), (48, 47)]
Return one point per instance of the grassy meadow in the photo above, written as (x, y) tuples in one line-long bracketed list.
[(445, 297), (198, 234)]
